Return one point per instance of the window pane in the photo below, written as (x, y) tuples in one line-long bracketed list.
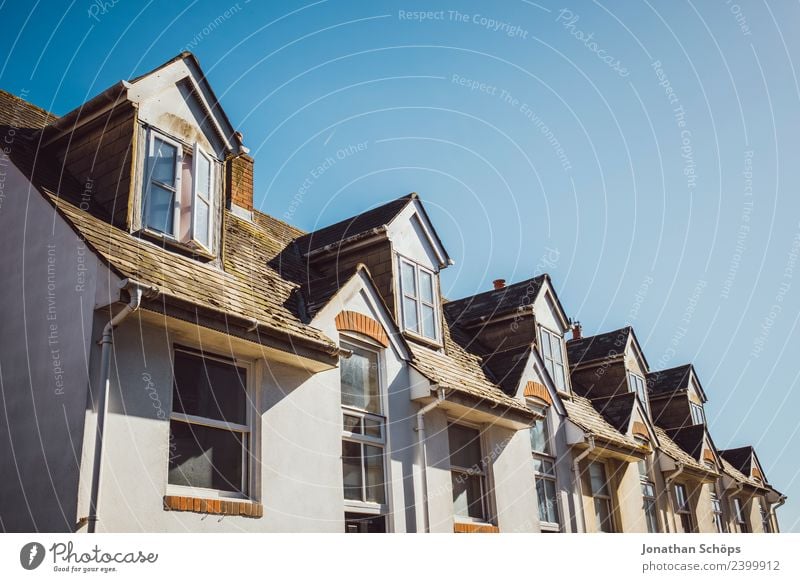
[(467, 495), (376, 489), (650, 515), (597, 475), (203, 178), (159, 209), (426, 286), (602, 513), (410, 317), (205, 457), (163, 162), (408, 279), (209, 388), (546, 494), (201, 217), (372, 427), (555, 346), (558, 373), (546, 351), (428, 322), (351, 470), (352, 424), (359, 375), (539, 437), (465, 447), (680, 497)]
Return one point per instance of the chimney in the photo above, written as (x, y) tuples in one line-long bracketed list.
[(499, 283), (576, 330), (239, 184)]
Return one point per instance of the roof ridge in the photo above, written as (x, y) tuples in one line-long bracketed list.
[(502, 289)]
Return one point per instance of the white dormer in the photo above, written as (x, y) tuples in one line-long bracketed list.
[(552, 323), (636, 370)]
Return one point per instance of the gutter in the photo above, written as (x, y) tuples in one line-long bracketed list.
[(423, 513), (577, 473), (348, 244), (137, 291), (668, 481)]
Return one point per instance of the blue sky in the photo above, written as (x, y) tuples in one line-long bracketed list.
[(650, 168)]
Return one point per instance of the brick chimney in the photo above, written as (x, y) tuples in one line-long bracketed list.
[(239, 184), (499, 283), (576, 330)]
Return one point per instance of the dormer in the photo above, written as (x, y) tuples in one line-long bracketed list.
[(398, 244), (608, 364), (676, 397), (157, 156), (509, 319), (746, 461)]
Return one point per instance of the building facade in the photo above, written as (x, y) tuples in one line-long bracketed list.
[(175, 360)]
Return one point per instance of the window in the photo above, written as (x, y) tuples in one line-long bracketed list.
[(418, 292), (179, 189), (363, 428), (467, 473), (697, 413), (545, 471), (648, 498), (637, 385), (602, 497), (553, 355), (209, 426), (682, 507), (716, 510), (739, 517), (766, 523), (359, 523)]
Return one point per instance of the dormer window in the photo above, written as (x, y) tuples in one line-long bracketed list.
[(553, 356), (420, 313), (179, 186), (698, 417), (637, 385)]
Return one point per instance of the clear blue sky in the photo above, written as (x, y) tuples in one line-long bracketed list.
[(677, 212)]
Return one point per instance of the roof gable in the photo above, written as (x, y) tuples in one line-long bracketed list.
[(677, 379), (477, 309)]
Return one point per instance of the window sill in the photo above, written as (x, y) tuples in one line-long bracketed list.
[(426, 341), (174, 244), (213, 506), (473, 527)]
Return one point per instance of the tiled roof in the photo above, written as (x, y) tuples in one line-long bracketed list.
[(690, 439), (669, 381), (741, 458), (459, 370), (672, 449), (598, 347), (353, 227), (738, 476), (494, 302), (582, 413), (616, 409), (18, 113)]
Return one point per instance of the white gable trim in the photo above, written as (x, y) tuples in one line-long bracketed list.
[(416, 208), (547, 289)]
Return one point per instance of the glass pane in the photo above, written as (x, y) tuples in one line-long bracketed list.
[(642, 466), (359, 375), (203, 178), (202, 214), (597, 475), (602, 513), (426, 286), (546, 351), (352, 424), (558, 372), (410, 318), (650, 515), (465, 447), (209, 388), (159, 209), (546, 494), (376, 488), (351, 470), (372, 427), (555, 346), (163, 162), (201, 456), (408, 279), (680, 496), (428, 322), (539, 437), (360, 523), (467, 495), (648, 490)]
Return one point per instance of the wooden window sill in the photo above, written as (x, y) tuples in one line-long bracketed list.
[(213, 506), (475, 528)]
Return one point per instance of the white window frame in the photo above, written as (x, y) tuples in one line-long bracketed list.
[(249, 469), (212, 185), (738, 515), (685, 508), (649, 500), (635, 383), (481, 471), (418, 301), (153, 135), (603, 497), (550, 363), (696, 412), (547, 457), (716, 512), (363, 506)]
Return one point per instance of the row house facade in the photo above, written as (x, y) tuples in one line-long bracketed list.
[(175, 360)]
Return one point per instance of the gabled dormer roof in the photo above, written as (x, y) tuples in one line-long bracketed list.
[(674, 380), (604, 346), (371, 223), (745, 460), (691, 439), (626, 413), (677, 453), (480, 308)]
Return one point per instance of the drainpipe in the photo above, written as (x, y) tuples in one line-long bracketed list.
[(732, 505), (773, 509), (422, 458), (577, 472), (667, 483), (136, 290)]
